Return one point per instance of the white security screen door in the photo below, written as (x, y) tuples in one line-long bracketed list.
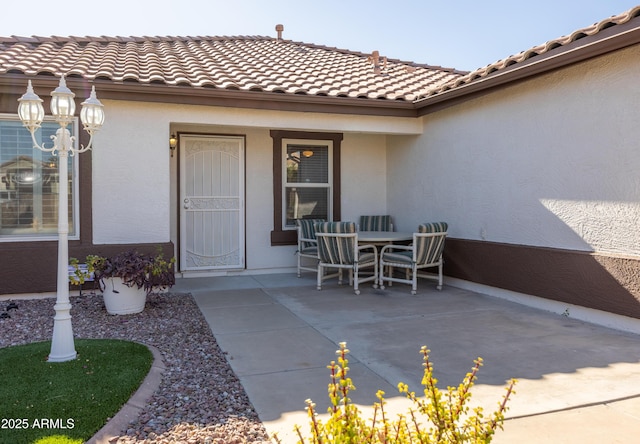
[(211, 202)]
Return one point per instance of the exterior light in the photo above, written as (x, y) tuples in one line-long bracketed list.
[(63, 107), (30, 109), (31, 114), (173, 143), (92, 113)]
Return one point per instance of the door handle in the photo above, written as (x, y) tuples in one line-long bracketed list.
[(186, 204)]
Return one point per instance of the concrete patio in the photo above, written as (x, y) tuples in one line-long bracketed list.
[(578, 382)]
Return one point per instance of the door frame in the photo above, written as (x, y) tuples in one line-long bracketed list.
[(180, 135)]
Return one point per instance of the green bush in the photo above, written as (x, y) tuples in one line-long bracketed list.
[(442, 417)]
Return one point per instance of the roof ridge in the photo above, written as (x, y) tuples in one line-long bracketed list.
[(34, 39), (123, 39)]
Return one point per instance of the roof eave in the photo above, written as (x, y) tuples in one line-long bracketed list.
[(15, 83), (256, 99), (608, 40)]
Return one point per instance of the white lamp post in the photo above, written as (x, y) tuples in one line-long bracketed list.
[(63, 109)]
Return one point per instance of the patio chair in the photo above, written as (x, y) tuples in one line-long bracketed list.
[(307, 244), (425, 252), (376, 223), (338, 248)]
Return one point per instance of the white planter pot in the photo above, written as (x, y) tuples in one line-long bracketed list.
[(121, 299)]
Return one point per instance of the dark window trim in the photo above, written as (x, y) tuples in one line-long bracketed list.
[(289, 237)]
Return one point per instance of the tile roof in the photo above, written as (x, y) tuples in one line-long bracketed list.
[(536, 51), (263, 64), (245, 63)]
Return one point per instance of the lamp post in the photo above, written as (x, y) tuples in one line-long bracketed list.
[(31, 114)]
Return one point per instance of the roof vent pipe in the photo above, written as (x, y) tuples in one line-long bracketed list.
[(379, 63), (279, 28)]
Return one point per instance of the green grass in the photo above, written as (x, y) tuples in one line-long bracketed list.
[(66, 402)]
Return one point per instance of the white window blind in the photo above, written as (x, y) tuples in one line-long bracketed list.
[(307, 190)]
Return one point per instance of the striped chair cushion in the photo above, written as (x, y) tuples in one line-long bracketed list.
[(429, 249), (399, 258), (307, 230), (336, 250), (432, 227), (310, 251), (375, 223), (335, 227), (366, 258)]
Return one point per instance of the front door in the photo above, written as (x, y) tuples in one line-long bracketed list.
[(211, 202)]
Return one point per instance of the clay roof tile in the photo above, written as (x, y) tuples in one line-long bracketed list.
[(251, 63)]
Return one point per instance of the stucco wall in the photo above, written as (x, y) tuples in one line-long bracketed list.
[(550, 162), (131, 175), (364, 168), (135, 179)]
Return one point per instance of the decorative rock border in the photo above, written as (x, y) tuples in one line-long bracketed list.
[(130, 411)]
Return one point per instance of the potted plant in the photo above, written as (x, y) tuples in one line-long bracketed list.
[(126, 278)]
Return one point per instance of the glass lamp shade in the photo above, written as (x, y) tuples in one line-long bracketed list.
[(30, 109), (92, 112), (63, 107)]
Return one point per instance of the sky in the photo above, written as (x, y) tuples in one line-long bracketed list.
[(464, 34)]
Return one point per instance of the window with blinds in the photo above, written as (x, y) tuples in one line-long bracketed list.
[(307, 181), (29, 183)]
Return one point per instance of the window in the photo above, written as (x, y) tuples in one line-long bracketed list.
[(306, 180), (307, 184), (29, 183)]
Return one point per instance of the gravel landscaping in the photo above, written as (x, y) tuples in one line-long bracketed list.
[(200, 399)]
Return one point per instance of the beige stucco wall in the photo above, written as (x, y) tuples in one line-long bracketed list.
[(135, 179), (551, 162), (131, 175)]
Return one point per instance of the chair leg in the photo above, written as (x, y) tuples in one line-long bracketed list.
[(319, 279), (381, 279), (376, 273), (439, 287), (414, 280), (355, 281)]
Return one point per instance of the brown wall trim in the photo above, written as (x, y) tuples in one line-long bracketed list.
[(31, 267), (290, 237), (602, 282)]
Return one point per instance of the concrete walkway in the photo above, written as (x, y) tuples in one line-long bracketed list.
[(578, 382)]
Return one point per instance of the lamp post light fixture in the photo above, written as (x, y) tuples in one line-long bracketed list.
[(63, 108)]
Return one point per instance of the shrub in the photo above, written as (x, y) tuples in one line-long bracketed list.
[(442, 417)]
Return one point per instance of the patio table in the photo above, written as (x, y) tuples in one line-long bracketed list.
[(379, 237)]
